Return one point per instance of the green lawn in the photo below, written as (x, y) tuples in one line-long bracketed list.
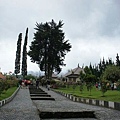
[(7, 93), (95, 94)]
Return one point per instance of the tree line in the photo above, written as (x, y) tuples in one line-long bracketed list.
[(105, 68), (106, 73)]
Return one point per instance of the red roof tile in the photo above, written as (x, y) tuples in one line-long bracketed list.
[(2, 76)]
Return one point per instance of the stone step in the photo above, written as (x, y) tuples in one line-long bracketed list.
[(35, 90), (63, 115), (42, 98), (40, 95)]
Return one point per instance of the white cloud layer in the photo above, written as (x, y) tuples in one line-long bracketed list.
[(92, 26)]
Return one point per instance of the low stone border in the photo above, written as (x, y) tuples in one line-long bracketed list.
[(3, 102), (108, 104)]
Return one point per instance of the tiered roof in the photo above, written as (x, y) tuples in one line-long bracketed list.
[(75, 71)]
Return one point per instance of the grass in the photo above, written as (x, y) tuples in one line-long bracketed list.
[(110, 95), (7, 93)]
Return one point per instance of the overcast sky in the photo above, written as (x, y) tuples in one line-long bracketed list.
[(92, 27)]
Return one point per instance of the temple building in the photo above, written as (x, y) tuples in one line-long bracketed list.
[(74, 74)]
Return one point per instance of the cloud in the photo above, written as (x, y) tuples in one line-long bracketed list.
[(84, 52), (92, 27), (93, 19)]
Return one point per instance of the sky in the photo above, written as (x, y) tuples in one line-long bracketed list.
[(91, 26)]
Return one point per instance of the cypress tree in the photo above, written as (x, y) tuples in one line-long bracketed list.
[(18, 55), (110, 61), (90, 67), (103, 64), (100, 67), (24, 55), (117, 60)]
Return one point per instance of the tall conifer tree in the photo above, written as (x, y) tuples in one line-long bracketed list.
[(24, 55), (18, 55), (49, 47), (117, 60)]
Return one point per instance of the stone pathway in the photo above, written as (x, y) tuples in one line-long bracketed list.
[(23, 108), (62, 103), (20, 108)]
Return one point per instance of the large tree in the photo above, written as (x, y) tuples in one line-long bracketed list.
[(18, 55), (111, 73), (24, 55), (49, 47)]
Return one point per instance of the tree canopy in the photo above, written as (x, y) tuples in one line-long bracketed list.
[(49, 47), (112, 73)]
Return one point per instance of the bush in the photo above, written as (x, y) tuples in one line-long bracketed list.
[(53, 82), (81, 86), (89, 86), (59, 84), (1, 86), (118, 85), (5, 84), (104, 86), (12, 83)]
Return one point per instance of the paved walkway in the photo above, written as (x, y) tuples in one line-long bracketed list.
[(20, 108), (62, 103), (23, 108)]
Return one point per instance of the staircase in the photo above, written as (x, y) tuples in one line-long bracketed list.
[(39, 94)]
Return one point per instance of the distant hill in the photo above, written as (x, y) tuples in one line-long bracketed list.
[(35, 73)]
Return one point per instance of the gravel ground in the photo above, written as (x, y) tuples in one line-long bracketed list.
[(20, 108), (62, 103)]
